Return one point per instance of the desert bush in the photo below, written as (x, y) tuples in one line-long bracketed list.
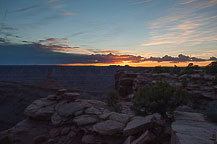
[(160, 97), (212, 68), (211, 111), (190, 68), (113, 99)]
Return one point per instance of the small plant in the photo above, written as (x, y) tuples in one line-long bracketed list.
[(211, 111), (160, 97), (113, 99), (117, 108)]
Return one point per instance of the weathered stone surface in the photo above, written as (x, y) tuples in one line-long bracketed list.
[(78, 113), (105, 115), (89, 139), (65, 130), (56, 119), (145, 138), (71, 134), (54, 132), (123, 118), (108, 127), (40, 139), (192, 128), (92, 110), (84, 120), (184, 108), (40, 109), (69, 109), (129, 140), (189, 116), (139, 124), (209, 77)]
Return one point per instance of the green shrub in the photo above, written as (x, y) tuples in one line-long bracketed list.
[(117, 107), (211, 111), (113, 99), (159, 97)]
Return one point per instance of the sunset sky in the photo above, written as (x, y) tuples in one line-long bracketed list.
[(104, 32)]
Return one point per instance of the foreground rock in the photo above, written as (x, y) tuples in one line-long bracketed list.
[(192, 128), (59, 119)]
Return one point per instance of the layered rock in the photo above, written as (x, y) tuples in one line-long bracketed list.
[(192, 128)]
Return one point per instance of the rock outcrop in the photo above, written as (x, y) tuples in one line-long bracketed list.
[(65, 119), (127, 82)]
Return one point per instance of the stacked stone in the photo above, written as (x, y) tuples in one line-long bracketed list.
[(65, 119)]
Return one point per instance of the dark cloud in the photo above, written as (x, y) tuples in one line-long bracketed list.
[(180, 58), (36, 53), (2, 40), (213, 58)]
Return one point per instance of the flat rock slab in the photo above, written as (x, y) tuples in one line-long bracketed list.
[(123, 118), (84, 120), (108, 127), (179, 115), (68, 109), (192, 128), (92, 110)]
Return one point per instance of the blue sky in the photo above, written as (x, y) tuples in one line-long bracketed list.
[(146, 28)]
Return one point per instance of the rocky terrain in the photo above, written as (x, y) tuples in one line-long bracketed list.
[(199, 84), (68, 117), (63, 118)]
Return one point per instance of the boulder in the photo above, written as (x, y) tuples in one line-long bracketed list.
[(40, 109), (68, 109), (109, 127), (139, 124)]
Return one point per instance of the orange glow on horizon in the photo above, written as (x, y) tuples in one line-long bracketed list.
[(142, 64)]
